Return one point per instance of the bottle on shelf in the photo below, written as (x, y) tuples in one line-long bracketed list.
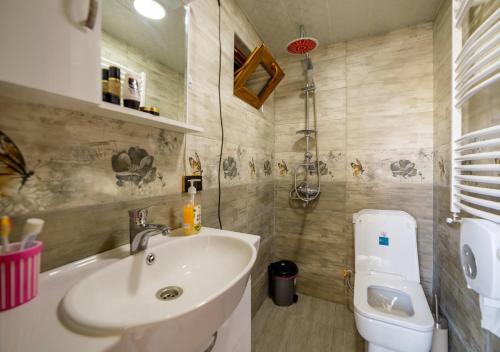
[(105, 82), (114, 85)]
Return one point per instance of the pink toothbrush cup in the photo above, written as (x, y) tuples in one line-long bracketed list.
[(19, 272)]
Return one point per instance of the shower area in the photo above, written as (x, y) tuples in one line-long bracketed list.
[(353, 130), (306, 175)]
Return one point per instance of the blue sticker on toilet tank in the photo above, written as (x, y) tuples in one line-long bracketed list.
[(383, 240)]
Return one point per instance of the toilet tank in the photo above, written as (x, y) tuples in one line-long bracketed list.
[(385, 242)]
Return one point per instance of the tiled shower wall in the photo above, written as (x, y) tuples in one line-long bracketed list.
[(459, 304), (76, 189), (374, 116)]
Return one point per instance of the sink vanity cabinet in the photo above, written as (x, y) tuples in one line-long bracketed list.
[(125, 285), (53, 52)]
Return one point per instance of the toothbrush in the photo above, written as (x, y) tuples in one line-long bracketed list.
[(32, 229), (5, 227)]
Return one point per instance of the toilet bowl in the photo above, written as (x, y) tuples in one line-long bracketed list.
[(390, 307)]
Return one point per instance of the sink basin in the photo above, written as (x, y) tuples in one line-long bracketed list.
[(194, 282)]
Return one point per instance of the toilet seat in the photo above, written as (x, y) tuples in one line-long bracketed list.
[(421, 320)]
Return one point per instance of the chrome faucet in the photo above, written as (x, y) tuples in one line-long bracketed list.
[(141, 231)]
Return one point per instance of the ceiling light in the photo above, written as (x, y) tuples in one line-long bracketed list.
[(150, 9)]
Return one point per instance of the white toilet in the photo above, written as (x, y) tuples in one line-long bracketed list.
[(390, 307)]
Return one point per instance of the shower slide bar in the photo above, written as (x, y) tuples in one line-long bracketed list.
[(475, 170)]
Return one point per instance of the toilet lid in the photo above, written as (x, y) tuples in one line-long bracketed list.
[(393, 301)]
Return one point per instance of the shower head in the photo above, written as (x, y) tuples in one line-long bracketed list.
[(301, 46)]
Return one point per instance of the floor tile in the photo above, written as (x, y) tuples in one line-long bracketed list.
[(311, 324)]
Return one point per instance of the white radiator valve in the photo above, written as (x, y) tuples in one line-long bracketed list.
[(480, 259)]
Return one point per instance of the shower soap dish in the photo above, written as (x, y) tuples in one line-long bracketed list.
[(19, 270), (306, 132)]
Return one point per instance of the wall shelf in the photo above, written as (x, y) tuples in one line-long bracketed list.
[(118, 112), (103, 109)]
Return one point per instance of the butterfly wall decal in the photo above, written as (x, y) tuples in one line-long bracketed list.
[(283, 168), (12, 164), (251, 165), (357, 168), (267, 168), (195, 164)]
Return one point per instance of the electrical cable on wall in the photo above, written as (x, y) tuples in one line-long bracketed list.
[(221, 122)]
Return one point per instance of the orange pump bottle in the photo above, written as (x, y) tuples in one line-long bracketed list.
[(192, 212)]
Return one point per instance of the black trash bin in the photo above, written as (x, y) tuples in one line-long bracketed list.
[(282, 281)]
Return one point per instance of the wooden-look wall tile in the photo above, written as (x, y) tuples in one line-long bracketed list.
[(331, 136), (328, 285), (406, 130), (412, 198)]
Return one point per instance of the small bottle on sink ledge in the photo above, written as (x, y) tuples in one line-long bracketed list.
[(192, 212)]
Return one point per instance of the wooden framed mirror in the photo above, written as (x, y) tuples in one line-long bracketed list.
[(259, 75)]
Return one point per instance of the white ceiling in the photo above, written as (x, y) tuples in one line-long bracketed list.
[(329, 21), (162, 40)]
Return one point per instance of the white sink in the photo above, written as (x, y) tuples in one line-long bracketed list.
[(212, 271)]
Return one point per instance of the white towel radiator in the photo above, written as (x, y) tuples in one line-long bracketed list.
[(475, 171)]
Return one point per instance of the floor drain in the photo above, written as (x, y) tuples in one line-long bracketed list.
[(168, 293)]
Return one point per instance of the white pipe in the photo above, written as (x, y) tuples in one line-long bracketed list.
[(476, 89), (480, 133), (480, 179), (492, 57), (477, 54), (480, 190), (479, 201), (463, 8), (479, 156), (479, 167), (480, 144), (478, 213), (483, 72), (456, 113), (487, 29)]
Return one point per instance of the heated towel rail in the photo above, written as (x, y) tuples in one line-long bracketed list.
[(475, 171)]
